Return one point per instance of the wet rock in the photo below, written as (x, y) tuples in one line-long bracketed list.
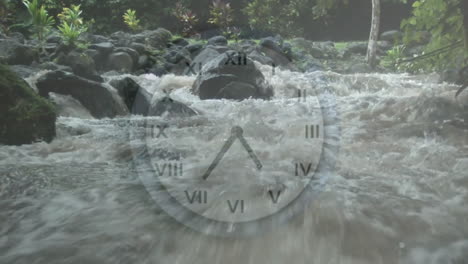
[(355, 48), (67, 106), (218, 41), (194, 49), (140, 48), (177, 55), (313, 66), (55, 38), (51, 66), (463, 76), (144, 62), (135, 97), (26, 117), (13, 52), (271, 48), (167, 107), (202, 59), (81, 64), (180, 42), (158, 38), (96, 56), (104, 48), (133, 53), (98, 99), (360, 68), (220, 79), (24, 71), (120, 61), (220, 49), (17, 36), (97, 39), (123, 39), (258, 56), (385, 45), (271, 44), (392, 36), (449, 75)]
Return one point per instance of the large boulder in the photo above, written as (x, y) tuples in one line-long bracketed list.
[(202, 59), (120, 61), (81, 63), (355, 48), (104, 48), (392, 36), (13, 52), (135, 97), (221, 78), (133, 53), (24, 71), (158, 38), (25, 116), (101, 101), (170, 108), (194, 49), (271, 47), (218, 41), (67, 106)]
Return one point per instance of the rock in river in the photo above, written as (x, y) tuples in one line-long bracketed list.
[(225, 78), (101, 101), (25, 117)]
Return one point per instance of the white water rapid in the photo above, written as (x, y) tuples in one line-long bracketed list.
[(398, 192)]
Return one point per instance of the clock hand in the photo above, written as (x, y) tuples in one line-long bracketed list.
[(220, 155), (236, 132), (250, 151)]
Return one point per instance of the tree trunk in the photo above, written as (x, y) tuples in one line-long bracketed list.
[(374, 34), (464, 11)]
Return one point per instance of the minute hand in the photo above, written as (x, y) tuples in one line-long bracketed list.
[(250, 151)]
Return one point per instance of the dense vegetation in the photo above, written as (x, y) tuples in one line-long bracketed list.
[(444, 21)]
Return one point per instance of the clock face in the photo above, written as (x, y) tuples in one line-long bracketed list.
[(240, 166), (244, 169)]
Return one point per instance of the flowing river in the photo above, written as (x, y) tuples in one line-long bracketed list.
[(397, 193)]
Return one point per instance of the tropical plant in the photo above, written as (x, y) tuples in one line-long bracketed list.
[(186, 18), (72, 15), (221, 16), (283, 17), (393, 57), (445, 22), (40, 20), (72, 25), (5, 15), (130, 19)]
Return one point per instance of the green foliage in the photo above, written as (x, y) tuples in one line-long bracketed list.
[(40, 20), (6, 15), (221, 16), (72, 25), (130, 19), (393, 57), (444, 21), (283, 17), (186, 18)]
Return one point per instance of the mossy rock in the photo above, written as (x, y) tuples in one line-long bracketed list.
[(25, 116)]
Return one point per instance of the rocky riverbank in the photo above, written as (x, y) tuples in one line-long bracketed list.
[(81, 76)]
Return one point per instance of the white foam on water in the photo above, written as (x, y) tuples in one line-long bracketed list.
[(398, 193)]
